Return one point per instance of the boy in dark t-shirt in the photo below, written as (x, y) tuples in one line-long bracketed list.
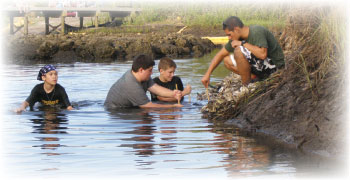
[(167, 79), (48, 93)]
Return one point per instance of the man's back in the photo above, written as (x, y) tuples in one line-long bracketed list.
[(128, 92), (262, 37)]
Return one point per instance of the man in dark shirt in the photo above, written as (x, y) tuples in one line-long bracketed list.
[(256, 52)]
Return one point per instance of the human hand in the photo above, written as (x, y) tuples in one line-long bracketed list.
[(178, 105), (187, 89), (70, 108), (236, 43), (205, 81), (177, 94), (18, 110)]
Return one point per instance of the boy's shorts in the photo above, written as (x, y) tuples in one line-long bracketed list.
[(261, 68)]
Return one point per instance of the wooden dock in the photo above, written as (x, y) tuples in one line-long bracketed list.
[(48, 12)]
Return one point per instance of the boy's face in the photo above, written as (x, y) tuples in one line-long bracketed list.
[(168, 74), (50, 77)]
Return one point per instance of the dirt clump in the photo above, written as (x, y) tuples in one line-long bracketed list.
[(106, 47)]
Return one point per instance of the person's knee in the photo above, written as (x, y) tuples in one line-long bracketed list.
[(228, 62), (243, 65), (237, 53)]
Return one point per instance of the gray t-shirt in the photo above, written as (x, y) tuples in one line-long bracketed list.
[(128, 92)]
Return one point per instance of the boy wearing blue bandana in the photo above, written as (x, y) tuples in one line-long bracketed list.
[(48, 93)]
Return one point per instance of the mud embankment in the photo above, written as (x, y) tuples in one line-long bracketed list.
[(303, 104), (289, 112), (104, 47)]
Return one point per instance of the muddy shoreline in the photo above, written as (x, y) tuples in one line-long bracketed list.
[(289, 115), (104, 47)]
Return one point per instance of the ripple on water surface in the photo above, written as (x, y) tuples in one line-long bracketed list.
[(92, 142)]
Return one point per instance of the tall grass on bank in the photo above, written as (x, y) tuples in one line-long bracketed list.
[(209, 14), (314, 43)]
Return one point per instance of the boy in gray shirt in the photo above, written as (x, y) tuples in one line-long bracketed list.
[(130, 90)]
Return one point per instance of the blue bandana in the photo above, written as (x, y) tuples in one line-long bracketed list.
[(45, 70)]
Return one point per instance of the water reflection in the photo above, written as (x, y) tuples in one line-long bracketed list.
[(243, 153), (169, 119), (49, 122), (161, 142), (142, 131)]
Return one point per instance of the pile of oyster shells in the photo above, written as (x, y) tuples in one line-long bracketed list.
[(225, 95)]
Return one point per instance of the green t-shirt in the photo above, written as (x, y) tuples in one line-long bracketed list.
[(260, 36)]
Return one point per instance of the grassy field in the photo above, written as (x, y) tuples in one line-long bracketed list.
[(210, 14), (206, 14)]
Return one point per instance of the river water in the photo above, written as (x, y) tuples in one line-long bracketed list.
[(93, 143)]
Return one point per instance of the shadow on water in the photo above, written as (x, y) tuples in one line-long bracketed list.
[(50, 122), (143, 130), (86, 104), (243, 153), (239, 153), (142, 133)]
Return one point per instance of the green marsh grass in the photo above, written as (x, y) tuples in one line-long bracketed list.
[(209, 14), (323, 45)]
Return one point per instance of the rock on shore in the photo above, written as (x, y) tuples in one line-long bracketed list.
[(102, 47)]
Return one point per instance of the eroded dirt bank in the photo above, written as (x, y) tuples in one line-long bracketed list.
[(102, 47), (302, 105), (289, 112)]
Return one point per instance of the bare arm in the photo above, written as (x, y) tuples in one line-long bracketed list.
[(23, 106), (214, 63), (165, 92), (166, 99), (259, 52), (185, 92), (154, 105)]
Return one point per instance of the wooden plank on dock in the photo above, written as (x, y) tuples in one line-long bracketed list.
[(48, 12)]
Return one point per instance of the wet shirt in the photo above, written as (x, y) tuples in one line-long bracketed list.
[(57, 97), (128, 92), (262, 37), (170, 85)]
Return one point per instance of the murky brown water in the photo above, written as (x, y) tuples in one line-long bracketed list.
[(133, 143)]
